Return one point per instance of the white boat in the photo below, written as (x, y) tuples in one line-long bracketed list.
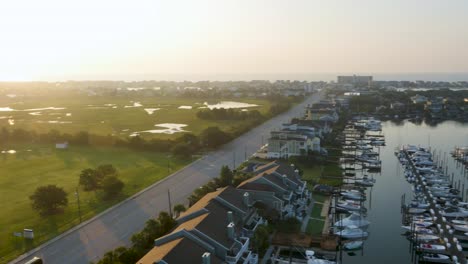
[(454, 213), (353, 245), (432, 248), (351, 207), (426, 223), (364, 182), (353, 220), (436, 258), (416, 210), (460, 222), (419, 230), (352, 233), (462, 228), (419, 204), (353, 196), (311, 259), (427, 238)]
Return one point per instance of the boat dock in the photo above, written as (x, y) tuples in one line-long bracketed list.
[(443, 227)]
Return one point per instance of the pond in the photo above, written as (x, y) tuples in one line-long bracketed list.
[(229, 105), (168, 128), (150, 111), (385, 243), (11, 151), (188, 107), (9, 109), (135, 104)]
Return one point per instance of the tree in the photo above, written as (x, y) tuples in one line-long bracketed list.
[(120, 255), (179, 208), (112, 186), (49, 200), (226, 176), (106, 170), (260, 239), (92, 179), (182, 150), (213, 137), (166, 222), (89, 179)]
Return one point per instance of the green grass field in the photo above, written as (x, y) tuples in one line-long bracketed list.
[(36, 165), (315, 226), (107, 115), (331, 175)]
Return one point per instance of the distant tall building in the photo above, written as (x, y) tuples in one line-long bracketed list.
[(355, 80)]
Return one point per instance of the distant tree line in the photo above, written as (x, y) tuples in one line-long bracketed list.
[(184, 146), (228, 114)]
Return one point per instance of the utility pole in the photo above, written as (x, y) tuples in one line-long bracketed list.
[(77, 195), (169, 200), (168, 168), (245, 152), (233, 160)]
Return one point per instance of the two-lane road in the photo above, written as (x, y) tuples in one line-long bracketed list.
[(114, 227)]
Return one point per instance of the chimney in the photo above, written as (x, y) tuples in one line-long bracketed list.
[(284, 179), (230, 218), (206, 258), (230, 230), (246, 199)]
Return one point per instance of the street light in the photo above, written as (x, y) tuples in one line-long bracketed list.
[(77, 195)]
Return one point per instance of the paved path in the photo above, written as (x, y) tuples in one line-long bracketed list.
[(114, 227)]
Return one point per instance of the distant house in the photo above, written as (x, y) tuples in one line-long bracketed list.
[(329, 115), (419, 99), (435, 105), (63, 145), (397, 106)]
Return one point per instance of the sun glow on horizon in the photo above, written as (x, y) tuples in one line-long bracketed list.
[(53, 39)]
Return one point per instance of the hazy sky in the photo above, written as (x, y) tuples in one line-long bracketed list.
[(85, 39)]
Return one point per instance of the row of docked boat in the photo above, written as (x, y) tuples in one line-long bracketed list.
[(361, 154), (435, 217)]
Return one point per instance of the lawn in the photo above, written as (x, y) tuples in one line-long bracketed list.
[(316, 211), (36, 165), (114, 115), (320, 198), (315, 227), (331, 175)]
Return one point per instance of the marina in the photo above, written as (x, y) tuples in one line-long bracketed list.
[(385, 243)]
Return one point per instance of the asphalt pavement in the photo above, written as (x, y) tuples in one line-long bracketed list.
[(114, 227)]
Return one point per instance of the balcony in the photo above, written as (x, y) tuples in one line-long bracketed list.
[(249, 229), (241, 248)]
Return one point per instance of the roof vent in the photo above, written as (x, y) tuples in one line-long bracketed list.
[(230, 230), (206, 258)]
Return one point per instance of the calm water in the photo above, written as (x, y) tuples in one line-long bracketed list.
[(385, 243)]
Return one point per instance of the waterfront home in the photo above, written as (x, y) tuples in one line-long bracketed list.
[(287, 143), (279, 187), (220, 224), (322, 114)]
